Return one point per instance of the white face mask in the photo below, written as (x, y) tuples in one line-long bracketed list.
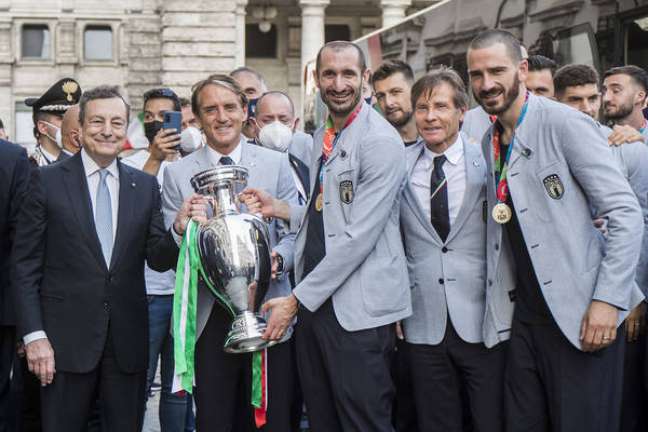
[(276, 136), (58, 137), (190, 139)]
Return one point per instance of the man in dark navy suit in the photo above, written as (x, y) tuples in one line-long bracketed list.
[(88, 224)]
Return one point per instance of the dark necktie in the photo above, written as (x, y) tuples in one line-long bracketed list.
[(439, 215), (226, 160)]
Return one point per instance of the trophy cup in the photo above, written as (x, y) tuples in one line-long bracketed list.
[(234, 251)]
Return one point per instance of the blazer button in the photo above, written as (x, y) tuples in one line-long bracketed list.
[(496, 246), (490, 282), (444, 249), (441, 281), (106, 306)]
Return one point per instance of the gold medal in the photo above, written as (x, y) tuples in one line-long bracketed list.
[(502, 213), (319, 202)]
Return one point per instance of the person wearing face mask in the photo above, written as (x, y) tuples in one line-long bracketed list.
[(253, 85), (164, 148), (275, 123), (48, 113)]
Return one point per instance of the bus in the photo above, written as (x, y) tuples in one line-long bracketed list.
[(600, 33)]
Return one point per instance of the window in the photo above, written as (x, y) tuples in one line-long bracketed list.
[(259, 44), (335, 32), (98, 43), (36, 41), (635, 40)]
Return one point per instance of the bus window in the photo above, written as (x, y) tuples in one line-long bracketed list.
[(636, 42), (577, 45)]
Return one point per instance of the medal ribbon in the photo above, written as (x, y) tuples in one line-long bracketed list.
[(501, 170), (330, 138), (643, 129)]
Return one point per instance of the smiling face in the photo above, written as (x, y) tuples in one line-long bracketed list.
[(103, 131), (393, 95), (437, 117), (494, 78), (221, 116), (339, 79)]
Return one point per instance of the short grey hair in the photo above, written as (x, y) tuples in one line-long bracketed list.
[(101, 92)]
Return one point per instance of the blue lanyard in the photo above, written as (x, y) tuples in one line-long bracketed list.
[(504, 168)]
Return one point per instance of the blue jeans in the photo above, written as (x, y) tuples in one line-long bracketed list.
[(173, 408)]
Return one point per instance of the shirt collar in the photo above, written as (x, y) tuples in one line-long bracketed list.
[(49, 156), (453, 153), (91, 167), (236, 154)]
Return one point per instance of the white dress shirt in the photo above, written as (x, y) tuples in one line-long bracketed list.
[(91, 170), (454, 169), (215, 155)]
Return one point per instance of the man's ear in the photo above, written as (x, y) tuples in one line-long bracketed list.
[(295, 124), (41, 127)]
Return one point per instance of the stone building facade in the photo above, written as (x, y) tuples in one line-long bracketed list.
[(140, 44)]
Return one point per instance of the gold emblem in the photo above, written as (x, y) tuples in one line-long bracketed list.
[(69, 88), (502, 213), (319, 202)]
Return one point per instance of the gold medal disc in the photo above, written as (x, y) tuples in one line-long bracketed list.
[(502, 213), (319, 202)]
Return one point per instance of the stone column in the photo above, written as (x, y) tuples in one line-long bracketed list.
[(312, 28), (393, 11), (240, 32)]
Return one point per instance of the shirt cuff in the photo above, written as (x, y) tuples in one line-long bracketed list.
[(176, 237), (34, 336)]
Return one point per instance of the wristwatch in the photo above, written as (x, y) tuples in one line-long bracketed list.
[(280, 265)]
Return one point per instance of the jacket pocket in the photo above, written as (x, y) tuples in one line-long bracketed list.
[(380, 280)]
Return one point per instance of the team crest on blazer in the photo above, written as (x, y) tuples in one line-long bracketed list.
[(346, 191), (554, 186)]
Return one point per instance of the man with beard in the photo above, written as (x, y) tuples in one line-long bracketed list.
[(578, 87), (548, 166), (624, 95), (392, 82), (352, 283), (454, 334), (540, 78)]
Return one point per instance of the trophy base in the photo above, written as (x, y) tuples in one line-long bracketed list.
[(245, 334)]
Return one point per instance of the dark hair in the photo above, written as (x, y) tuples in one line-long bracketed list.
[(184, 102), (339, 46), (539, 62), (638, 75), (42, 116), (218, 80), (101, 92), (163, 93), (391, 67), (1, 124), (574, 75), (488, 38), (426, 84), (245, 69), (276, 93)]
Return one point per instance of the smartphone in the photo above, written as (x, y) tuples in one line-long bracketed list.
[(173, 120)]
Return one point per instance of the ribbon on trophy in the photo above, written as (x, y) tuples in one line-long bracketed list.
[(188, 270)]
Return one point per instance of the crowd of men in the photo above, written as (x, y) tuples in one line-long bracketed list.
[(435, 267)]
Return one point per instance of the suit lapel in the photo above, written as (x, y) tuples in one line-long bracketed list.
[(410, 197), (349, 132), (520, 149), (127, 202), (474, 185), (79, 195)]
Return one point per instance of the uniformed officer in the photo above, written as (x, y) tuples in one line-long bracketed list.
[(578, 86), (48, 113), (352, 282), (454, 334), (548, 166)]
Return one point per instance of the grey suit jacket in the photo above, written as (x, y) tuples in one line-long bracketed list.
[(460, 263), (476, 123), (301, 146), (633, 160), (561, 168), (269, 170), (364, 270)]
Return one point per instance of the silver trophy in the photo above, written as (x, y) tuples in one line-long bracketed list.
[(234, 250)]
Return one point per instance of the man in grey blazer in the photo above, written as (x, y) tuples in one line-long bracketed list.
[(454, 334), (352, 282), (574, 287), (577, 85), (222, 390)]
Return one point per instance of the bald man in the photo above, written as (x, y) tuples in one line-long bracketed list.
[(70, 128)]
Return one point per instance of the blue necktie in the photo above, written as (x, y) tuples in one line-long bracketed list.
[(226, 160), (103, 216)]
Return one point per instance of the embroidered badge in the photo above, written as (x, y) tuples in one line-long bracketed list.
[(554, 186), (346, 191)]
